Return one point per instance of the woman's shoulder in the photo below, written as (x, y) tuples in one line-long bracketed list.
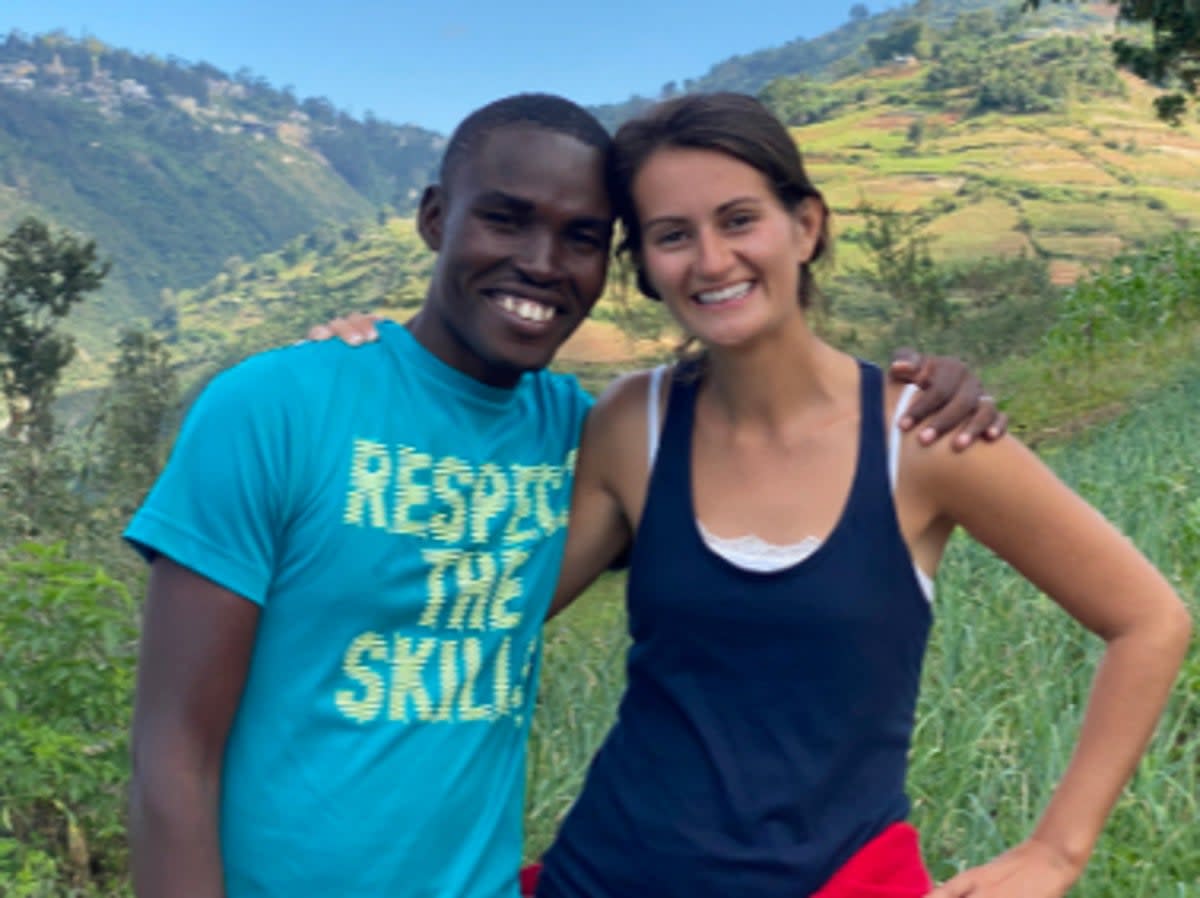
[(617, 433), (627, 397)]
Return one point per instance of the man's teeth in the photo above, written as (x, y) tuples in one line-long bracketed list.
[(526, 309), (734, 291)]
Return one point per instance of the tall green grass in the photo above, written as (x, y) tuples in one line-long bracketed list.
[(1128, 329), (1005, 681)]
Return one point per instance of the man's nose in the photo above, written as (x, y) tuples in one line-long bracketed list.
[(539, 257)]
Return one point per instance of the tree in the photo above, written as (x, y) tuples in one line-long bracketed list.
[(1172, 55), (907, 37), (900, 266), (44, 275), (859, 12), (142, 399), (916, 132)]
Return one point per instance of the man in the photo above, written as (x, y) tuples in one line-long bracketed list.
[(353, 553)]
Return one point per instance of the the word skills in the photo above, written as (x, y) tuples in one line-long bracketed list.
[(468, 653)]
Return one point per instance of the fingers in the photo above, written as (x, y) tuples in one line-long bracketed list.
[(949, 396), (960, 407), (987, 423), (911, 367), (942, 380), (952, 398), (905, 361), (353, 329)]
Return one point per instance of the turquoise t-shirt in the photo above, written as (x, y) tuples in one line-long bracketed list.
[(402, 527)]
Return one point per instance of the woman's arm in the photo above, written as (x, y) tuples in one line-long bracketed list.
[(1011, 502), (611, 468), (597, 534)]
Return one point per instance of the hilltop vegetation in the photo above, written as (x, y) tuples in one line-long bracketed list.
[(268, 301), (175, 167), (1006, 145), (851, 48)]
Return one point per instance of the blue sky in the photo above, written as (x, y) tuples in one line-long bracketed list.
[(431, 63)]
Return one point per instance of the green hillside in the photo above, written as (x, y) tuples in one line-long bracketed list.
[(1002, 140), (1069, 186), (846, 49), (1086, 173), (175, 167), (271, 300)]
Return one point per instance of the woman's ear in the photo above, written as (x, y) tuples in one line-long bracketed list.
[(808, 217)]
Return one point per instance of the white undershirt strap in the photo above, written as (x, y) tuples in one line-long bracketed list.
[(894, 434), (653, 425)]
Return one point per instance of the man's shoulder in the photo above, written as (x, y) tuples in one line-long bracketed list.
[(296, 373), (559, 386)]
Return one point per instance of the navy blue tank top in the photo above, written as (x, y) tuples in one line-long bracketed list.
[(763, 735)]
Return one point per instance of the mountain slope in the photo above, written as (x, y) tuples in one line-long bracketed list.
[(173, 168), (841, 52)]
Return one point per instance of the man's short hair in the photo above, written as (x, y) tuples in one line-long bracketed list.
[(547, 111)]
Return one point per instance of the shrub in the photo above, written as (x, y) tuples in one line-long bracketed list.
[(68, 637)]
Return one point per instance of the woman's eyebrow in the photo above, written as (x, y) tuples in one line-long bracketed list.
[(724, 207)]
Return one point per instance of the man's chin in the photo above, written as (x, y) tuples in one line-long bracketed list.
[(530, 356)]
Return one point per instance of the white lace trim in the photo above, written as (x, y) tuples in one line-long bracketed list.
[(753, 553)]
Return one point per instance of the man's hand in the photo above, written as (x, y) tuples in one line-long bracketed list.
[(1031, 870), (951, 397), (355, 329)]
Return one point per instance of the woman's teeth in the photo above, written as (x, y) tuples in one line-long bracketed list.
[(725, 294)]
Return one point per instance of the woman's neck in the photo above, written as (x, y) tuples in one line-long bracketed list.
[(770, 385)]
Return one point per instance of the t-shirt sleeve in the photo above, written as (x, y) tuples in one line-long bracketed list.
[(219, 505), (583, 402)]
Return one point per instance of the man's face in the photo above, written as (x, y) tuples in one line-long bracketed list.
[(522, 231)]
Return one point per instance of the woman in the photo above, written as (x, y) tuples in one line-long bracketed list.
[(761, 743)]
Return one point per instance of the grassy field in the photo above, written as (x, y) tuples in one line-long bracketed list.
[(1005, 680)]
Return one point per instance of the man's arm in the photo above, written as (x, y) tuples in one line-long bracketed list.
[(951, 399), (196, 645)]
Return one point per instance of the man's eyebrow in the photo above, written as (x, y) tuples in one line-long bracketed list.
[(525, 207), (500, 198)]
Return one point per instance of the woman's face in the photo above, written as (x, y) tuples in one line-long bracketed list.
[(719, 247)]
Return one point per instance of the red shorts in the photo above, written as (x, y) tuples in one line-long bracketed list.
[(889, 866)]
